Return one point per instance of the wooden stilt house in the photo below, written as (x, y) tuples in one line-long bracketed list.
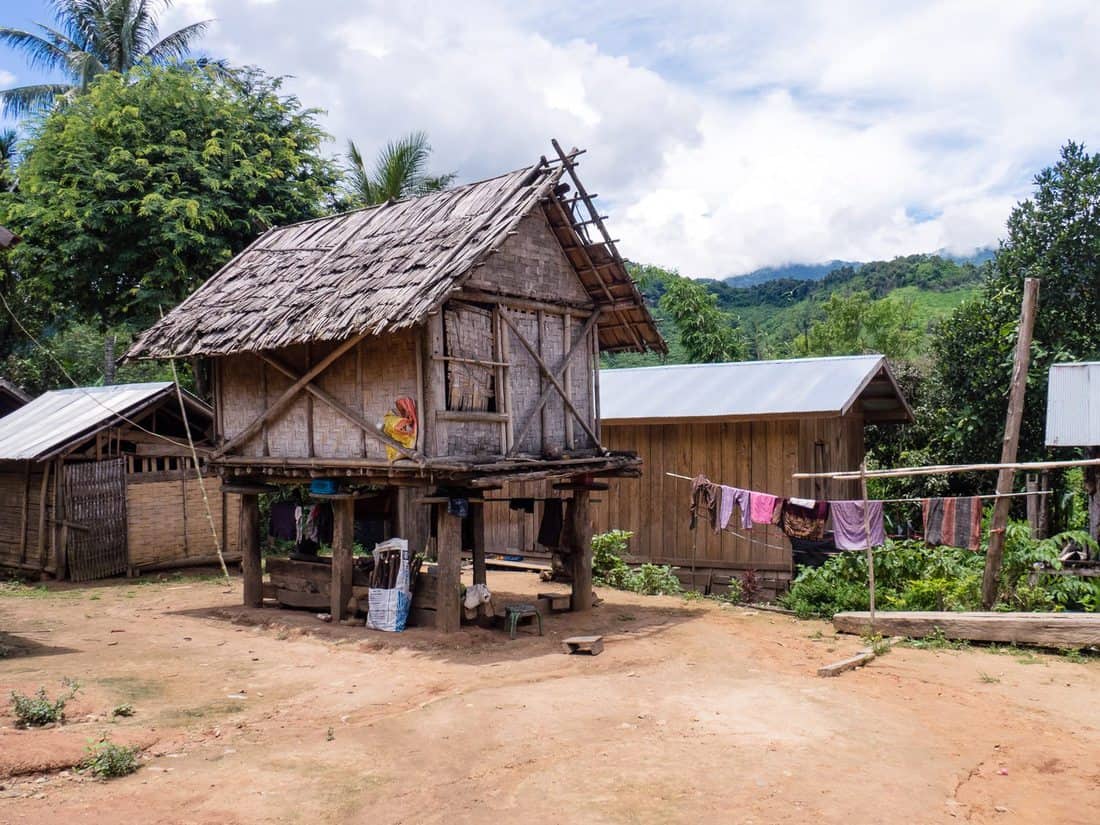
[(98, 481), (447, 341)]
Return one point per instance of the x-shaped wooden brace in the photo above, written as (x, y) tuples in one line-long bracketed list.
[(554, 378), (304, 383)]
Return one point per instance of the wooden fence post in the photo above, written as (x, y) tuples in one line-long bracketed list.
[(1011, 443), (251, 563)]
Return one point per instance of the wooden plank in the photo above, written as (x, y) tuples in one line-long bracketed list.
[(43, 495), (343, 540), (448, 617), (477, 517), (592, 645), (1044, 629), (251, 562), (25, 512), (434, 386), (835, 669)]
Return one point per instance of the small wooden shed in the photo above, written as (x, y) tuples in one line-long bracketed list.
[(751, 425), (98, 481), (447, 341), (11, 397)]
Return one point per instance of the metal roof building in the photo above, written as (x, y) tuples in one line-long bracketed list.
[(802, 387), (97, 481), (1073, 405)]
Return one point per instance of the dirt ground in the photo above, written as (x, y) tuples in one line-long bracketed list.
[(695, 711)]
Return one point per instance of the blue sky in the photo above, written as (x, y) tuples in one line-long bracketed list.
[(722, 136)]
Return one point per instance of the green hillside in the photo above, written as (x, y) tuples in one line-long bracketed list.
[(773, 314)]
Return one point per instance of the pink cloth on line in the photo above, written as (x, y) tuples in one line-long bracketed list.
[(762, 507)]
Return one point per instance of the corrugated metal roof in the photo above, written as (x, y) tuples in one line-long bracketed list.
[(747, 389), (57, 418), (1073, 405)]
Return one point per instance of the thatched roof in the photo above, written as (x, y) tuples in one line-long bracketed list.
[(380, 269)]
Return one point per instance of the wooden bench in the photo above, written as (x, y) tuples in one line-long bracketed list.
[(592, 645)]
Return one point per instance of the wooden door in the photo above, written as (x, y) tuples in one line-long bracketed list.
[(95, 516)]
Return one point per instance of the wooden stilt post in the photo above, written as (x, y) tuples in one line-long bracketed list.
[(477, 517), (448, 617), (1021, 361), (343, 537), (578, 529), (251, 565)]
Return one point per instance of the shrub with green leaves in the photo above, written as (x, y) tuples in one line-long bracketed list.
[(609, 569), (108, 760), (910, 575), (39, 710)]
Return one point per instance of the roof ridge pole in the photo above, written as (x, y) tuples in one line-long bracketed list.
[(1010, 444)]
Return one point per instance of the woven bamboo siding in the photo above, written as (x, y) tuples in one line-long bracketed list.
[(759, 455), (531, 264), (388, 365), (165, 524), (15, 484)]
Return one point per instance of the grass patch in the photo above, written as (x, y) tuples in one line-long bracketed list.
[(987, 679), (39, 710), (936, 640), (107, 760), (16, 589), (122, 711), (131, 689), (877, 645)]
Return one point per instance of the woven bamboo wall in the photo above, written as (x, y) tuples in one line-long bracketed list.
[(531, 264), (367, 379), (22, 482), (166, 519)]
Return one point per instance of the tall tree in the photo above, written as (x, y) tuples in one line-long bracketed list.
[(90, 37), (137, 191), (856, 324), (707, 333), (399, 171)]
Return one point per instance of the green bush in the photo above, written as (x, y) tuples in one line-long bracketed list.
[(108, 760), (910, 575), (609, 569), (39, 710)]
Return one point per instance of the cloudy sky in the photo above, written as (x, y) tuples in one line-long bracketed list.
[(723, 135)]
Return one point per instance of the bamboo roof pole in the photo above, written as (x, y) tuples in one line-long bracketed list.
[(1010, 444)]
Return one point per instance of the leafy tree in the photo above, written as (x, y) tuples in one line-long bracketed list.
[(1053, 236), (707, 333), (89, 38), (134, 194), (399, 171), (857, 324)]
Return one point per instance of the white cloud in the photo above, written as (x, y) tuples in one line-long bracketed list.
[(723, 136), (6, 79)]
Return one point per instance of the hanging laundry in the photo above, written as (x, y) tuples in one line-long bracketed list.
[(282, 524), (704, 501), (848, 524), (956, 522), (551, 524), (400, 425), (763, 508), (801, 518), (731, 497)]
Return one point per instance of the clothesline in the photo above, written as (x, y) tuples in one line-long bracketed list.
[(916, 500), (947, 469)]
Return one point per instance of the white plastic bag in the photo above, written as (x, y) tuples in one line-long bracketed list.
[(388, 608)]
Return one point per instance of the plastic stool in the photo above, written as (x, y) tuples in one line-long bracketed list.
[(515, 612)]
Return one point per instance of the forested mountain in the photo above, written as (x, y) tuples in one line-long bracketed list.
[(815, 272)]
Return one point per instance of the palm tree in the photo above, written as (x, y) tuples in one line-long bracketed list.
[(91, 37), (398, 171)]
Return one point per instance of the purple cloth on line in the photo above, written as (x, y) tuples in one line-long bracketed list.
[(848, 529), (733, 496)]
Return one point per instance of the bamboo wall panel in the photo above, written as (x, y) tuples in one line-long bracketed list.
[(95, 498), (333, 434), (288, 434), (166, 524), (524, 381), (242, 397), (552, 350), (14, 484), (531, 264)]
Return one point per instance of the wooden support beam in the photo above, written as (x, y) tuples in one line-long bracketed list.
[(1057, 630), (283, 401), (434, 386), (343, 539), (1010, 445), (448, 606), (251, 562), (578, 532), (42, 496), (835, 669), (26, 513), (355, 418), (555, 383), (477, 519)]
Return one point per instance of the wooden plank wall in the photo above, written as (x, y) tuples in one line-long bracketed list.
[(756, 455)]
